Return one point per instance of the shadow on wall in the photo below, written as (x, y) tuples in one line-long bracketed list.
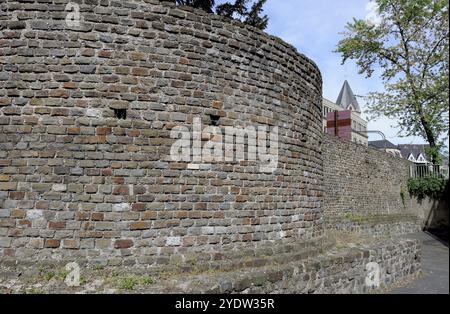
[(437, 221)]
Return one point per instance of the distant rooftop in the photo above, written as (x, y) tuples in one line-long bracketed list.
[(346, 98), (382, 144), (414, 149)]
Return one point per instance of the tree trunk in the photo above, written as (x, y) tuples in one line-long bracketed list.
[(430, 137)]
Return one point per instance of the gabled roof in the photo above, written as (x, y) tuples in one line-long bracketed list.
[(347, 98), (382, 144), (415, 150)]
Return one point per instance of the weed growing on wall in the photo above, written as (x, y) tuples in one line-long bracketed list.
[(403, 196)]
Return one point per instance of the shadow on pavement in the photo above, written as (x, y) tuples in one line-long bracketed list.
[(440, 235)]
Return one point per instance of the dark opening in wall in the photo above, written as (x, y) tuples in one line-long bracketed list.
[(214, 119), (120, 113)]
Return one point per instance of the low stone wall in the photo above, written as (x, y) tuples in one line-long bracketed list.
[(337, 271), (343, 272)]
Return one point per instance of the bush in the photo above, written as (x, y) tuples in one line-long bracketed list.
[(432, 187)]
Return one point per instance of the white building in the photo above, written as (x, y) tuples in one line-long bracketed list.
[(347, 101)]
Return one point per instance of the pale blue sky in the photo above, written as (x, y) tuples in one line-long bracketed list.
[(313, 27)]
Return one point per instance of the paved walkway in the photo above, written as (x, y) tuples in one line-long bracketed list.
[(435, 265)]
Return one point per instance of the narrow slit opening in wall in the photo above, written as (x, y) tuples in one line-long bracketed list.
[(214, 119), (120, 113)]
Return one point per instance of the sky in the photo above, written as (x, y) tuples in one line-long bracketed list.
[(313, 27)]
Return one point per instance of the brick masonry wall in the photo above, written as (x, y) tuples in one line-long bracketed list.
[(78, 183), (342, 272), (363, 190)]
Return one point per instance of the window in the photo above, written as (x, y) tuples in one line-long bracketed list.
[(120, 113), (214, 119), (421, 158)]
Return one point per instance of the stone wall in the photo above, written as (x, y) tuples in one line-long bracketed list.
[(365, 190), (79, 182), (343, 270)]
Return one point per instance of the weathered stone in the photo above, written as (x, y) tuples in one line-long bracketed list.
[(59, 187), (140, 225), (34, 214), (52, 243), (123, 244), (173, 241), (5, 242), (121, 207)]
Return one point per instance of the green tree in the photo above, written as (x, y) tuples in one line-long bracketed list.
[(240, 10), (236, 10), (409, 44), (254, 17), (206, 5)]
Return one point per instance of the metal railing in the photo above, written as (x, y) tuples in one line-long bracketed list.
[(366, 132), (428, 170)]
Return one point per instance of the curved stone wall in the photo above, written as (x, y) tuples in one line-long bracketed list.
[(78, 180)]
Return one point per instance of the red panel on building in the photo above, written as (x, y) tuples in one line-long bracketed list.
[(339, 123)]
